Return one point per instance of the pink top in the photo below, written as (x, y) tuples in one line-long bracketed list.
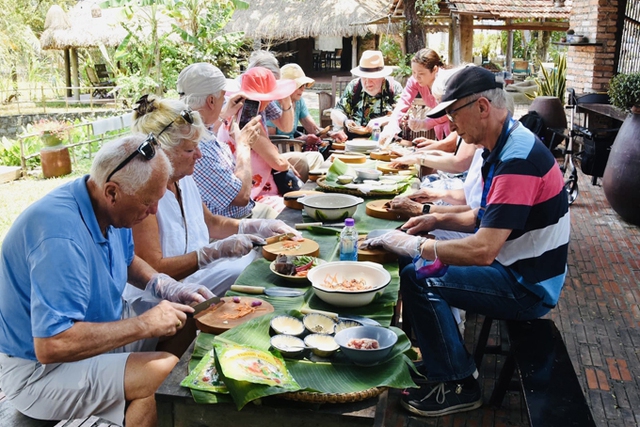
[(411, 90)]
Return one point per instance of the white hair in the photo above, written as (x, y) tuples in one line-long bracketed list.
[(135, 174), (266, 59)]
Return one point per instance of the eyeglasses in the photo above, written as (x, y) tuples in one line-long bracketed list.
[(450, 113), (147, 148)]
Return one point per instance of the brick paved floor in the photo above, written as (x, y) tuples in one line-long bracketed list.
[(598, 315)]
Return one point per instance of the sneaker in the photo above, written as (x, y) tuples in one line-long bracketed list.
[(435, 400)]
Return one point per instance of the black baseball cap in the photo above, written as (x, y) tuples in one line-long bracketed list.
[(465, 82)]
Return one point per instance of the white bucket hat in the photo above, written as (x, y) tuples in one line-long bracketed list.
[(371, 65)]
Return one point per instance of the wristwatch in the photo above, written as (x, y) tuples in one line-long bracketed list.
[(426, 208)]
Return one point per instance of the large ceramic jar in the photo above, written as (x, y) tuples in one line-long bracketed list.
[(621, 180)]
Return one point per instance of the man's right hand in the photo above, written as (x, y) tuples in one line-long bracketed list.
[(165, 319), (249, 134), (426, 195), (339, 136), (236, 245), (420, 224)]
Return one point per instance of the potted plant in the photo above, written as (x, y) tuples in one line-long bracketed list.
[(52, 132), (54, 155), (621, 180), (548, 98)]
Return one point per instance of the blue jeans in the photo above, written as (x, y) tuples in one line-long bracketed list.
[(491, 291)]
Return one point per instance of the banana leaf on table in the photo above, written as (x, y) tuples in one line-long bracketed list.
[(340, 376), (338, 167)]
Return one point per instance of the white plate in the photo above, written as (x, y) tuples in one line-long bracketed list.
[(272, 267)]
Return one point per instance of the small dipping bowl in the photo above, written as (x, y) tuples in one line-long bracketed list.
[(288, 345), (287, 325), (322, 345), (345, 324), (317, 323), (364, 173), (344, 179)]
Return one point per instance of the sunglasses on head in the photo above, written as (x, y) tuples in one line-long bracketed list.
[(147, 148)]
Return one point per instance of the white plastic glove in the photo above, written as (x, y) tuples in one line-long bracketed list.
[(233, 246), (165, 287), (265, 227), (419, 124), (397, 242)]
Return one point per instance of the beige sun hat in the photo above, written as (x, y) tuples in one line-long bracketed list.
[(371, 65), (295, 72)]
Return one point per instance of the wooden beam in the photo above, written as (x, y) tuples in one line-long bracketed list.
[(545, 26)]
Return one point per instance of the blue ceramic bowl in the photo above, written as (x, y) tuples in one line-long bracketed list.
[(386, 340)]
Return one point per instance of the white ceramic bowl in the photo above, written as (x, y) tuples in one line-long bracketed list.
[(368, 173), (330, 207), (386, 340), (344, 179), (372, 273), (361, 145), (322, 345)]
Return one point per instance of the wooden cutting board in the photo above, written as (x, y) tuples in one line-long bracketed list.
[(291, 198), (386, 156), (350, 157), (214, 320), (338, 145), (376, 209), (378, 255), (384, 167), (290, 247)]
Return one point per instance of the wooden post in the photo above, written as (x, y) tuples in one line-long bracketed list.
[(466, 38), (67, 72), (509, 59), (75, 83), (354, 51)]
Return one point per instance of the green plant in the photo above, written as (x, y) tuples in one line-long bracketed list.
[(427, 8), (393, 55), (552, 83), (52, 127), (10, 151), (624, 91)]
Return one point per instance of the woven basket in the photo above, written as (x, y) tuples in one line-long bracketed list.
[(321, 182), (310, 397)]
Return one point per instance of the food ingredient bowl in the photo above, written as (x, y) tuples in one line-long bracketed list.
[(288, 345), (322, 345), (287, 325), (346, 323), (330, 207), (344, 179), (349, 338), (317, 323), (368, 173), (349, 283)]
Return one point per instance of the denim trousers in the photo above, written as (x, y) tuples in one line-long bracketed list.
[(491, 291)]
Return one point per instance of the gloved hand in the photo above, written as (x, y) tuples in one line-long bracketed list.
[(425, 269), (419, 124), (233, 246), (397, 242), (164, 287), (265, 227)]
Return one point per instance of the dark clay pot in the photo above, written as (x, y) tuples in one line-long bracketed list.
[(550, 108), (621, 180)]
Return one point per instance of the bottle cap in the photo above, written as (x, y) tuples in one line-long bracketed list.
[(349, 222)]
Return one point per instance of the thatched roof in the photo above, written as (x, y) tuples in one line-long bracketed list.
[(86, 25), (292, 19)]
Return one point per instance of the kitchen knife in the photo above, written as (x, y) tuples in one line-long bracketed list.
[(303, 225), (272, 292), (204, 305)]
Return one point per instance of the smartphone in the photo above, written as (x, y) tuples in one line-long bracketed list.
[(249, 111)]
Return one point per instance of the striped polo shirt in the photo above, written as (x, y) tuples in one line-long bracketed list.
[(526, 194)]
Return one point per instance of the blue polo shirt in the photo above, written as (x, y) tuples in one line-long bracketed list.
[(56, 268)]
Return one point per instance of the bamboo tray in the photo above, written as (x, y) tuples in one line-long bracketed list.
[(322, 183), (311, 397)]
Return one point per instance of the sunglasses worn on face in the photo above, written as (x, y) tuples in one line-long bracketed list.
[(147, 148)]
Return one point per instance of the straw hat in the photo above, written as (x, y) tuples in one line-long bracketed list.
[(371, 65), (294, 72), (259, 84)]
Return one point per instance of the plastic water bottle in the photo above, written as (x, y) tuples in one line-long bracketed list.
[(375, 133), (349, 241)]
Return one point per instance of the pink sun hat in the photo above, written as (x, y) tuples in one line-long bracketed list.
[(259, 84)]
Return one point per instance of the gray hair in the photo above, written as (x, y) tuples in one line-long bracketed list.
[(135, 174), (196, 102), (266, 59), (159, 114), (498, 98)]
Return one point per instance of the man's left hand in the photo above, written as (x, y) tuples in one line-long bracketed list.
[(397, 242), (165, 287), (403, 207)]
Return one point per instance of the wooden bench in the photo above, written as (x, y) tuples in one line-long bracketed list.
[(545, 376)]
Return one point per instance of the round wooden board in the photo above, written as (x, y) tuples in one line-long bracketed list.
[(338, 145), (378, 255), (350, 157), (386, 156), (291, 198), (376, 209), (384, 167), (211, 320), (307, 247)]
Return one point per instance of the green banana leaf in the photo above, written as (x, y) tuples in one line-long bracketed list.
[(340, 376), (338, 167), (364, 224)]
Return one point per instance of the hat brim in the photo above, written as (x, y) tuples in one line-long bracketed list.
[(283, 89), (304, 81), (439, 110), (386, 70)]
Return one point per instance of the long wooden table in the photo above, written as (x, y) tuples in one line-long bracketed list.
[(176, 407)]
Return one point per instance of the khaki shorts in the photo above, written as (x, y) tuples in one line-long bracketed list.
[(61, 391)]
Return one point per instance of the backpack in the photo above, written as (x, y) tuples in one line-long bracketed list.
[(535, 123)]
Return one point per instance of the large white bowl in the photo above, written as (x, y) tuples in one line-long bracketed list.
[(330, 207), (373, 273)]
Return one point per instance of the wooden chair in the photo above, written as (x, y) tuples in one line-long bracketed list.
[(286, 145), (101, 86), (326, 101)]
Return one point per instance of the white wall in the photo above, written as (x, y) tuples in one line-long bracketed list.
[(328, 43)]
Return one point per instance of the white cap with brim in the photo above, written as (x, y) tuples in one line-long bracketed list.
[(466, 82), (199, 79), (296, 73), (371, 65)]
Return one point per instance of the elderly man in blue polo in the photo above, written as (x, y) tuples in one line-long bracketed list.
[(371, 97), (512, 267)]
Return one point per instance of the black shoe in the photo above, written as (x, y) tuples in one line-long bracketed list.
[(435, 400)]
